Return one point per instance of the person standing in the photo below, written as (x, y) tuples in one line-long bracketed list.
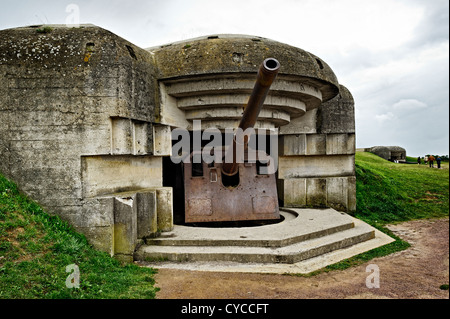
[(438, 161), (431, 160), (418, 160)]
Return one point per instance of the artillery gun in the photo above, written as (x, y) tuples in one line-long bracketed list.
[(235, 189)]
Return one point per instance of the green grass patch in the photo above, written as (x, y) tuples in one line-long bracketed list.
[(390, 192), (44, 29), (36, 248)]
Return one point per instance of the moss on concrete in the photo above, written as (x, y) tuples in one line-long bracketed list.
[(240, 54)]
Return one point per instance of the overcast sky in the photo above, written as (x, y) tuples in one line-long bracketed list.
[(391, 54)]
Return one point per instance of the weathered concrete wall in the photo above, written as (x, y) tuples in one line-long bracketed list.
[(211, 78), (77, 113), (317, 163)]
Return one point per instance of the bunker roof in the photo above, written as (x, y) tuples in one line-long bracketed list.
[(236, 53)]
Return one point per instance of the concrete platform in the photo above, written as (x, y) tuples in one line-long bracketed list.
[(307, 240)]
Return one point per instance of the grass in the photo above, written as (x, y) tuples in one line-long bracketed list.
[(36, 248), (45, 29), (389, 193)]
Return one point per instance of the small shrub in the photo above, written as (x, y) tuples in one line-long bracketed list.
[(44, 30)]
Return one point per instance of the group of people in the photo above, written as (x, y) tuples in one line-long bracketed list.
[(430, 159)]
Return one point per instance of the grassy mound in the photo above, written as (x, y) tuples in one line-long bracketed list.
[(36, 248), (388, 192)]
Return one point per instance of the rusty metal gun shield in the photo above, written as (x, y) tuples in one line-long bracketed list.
[(208, 200)]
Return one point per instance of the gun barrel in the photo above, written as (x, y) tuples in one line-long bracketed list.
[(266, 75)]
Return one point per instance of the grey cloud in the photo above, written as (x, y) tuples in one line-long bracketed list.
[(434, 27)]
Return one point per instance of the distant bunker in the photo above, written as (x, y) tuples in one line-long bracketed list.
[(389, 153), (87, 120)]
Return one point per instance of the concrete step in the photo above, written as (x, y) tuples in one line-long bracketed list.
[(297, 226), (289, 254), (301, 267)]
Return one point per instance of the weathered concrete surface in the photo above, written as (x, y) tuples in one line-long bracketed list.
[(124, 219), (316, 166), (125, 224), (71, 97), (86, 115), (241, 54), (316, 163), (147, 217), (200, 74), (164, 199), (103, 175), (316, 144), (333, 116)]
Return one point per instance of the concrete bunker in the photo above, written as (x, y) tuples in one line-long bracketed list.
[(389, 153), (87, 120)]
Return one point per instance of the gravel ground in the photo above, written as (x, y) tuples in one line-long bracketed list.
[(415, 273)]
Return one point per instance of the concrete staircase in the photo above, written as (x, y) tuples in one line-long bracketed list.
[(303, 235)]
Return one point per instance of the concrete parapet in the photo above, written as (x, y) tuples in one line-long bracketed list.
[(115, 223), (140, 214)]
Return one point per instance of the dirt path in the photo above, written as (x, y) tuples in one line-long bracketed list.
[(417, 272)]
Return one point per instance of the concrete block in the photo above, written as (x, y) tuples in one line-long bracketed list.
[(125, 224), (142, 138), (337, 193), (305, 124), (170, 114), (340, 144), (164, 208), (351, 206), (147, 222), (121, 136), (162, 140), (292, 145), (315, 144), (294, 192), (129, 136), (97, 212), (351, 143), (316, 194), (101, 237), (111, 174), (315, 166)]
